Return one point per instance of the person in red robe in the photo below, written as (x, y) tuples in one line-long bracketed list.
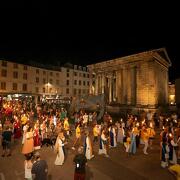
[(17, 128), (37, 141)]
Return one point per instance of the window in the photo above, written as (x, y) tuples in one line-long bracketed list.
[(25, 76), (84, 91), (57, 82), (67, 90), (25, 67), (79, 74), (87, 75), (67, 75), (67, 82), (79, 91), (3, 85), (15, 66), (75, 73), (51, 73), (88, 83), (79, 82), (14, 86), (37, 90), (43, 90), (75, 82), (4, 73), (84, 83), (15, 74), (4, 63), (37, 80), (51, 81), (37, 71), (44, 72), (67, 70), (24, 87), (57, 74), (84, 75)]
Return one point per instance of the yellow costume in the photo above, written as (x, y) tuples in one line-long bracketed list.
[(78, 132)]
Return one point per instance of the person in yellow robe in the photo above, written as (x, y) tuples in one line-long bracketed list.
[(66, 127), (78, 136)]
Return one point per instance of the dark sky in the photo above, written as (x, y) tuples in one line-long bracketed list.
[(84, 37)]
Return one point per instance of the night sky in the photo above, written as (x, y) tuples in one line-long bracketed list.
[(84, 37)]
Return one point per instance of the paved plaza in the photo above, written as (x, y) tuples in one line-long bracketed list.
[(117, 167)]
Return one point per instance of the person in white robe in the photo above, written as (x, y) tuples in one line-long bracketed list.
[(59, 148), (103, 144), (88, 150)]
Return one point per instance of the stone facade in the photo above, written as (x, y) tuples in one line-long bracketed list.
[(177, 92), (137, 80)]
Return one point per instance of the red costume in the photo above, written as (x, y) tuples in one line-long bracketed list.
[(37, 142), (17, 129)]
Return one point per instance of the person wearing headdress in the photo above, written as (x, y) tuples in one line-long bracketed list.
[(59, 148), (88, 150)]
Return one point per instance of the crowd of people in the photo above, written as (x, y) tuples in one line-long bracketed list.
[(48, 125)]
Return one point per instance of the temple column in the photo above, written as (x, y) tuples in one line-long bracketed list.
[(119, 86), (133, 85), (114, 96), (124, 85), (91, 84), (103, 84), (96, 85), (110, 88), (129, 85)]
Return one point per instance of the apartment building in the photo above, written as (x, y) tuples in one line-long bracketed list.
[(43, 81)]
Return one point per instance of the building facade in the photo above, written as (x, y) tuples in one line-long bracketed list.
[(177, 92), (139, 80), (33, 80), (171, 93)]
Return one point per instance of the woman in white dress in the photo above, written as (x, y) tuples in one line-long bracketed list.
[(88, 147), (59, 148), (103, 144)]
